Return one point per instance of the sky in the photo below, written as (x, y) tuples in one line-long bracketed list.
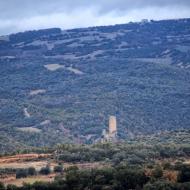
[(22, 15)]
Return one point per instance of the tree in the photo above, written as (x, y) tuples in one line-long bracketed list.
[(184, 174), (130, 178), (167, 166), (21, 173), (12, 187), (157, 172), (2, 187), (58, 168), (159, 185), (45, 170), (31, 171)]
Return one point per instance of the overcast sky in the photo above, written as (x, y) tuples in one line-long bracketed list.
[(21, 15)]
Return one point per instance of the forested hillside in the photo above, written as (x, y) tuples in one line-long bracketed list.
[(61, 86)]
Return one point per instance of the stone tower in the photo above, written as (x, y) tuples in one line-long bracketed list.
[(111, 134), (112, 127)]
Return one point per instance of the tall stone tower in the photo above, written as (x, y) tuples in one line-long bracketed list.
[(111, 134), (112, 127)]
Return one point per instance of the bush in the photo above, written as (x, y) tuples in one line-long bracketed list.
[(184, 174), (45, 170), (178, 166), (12, 187), (159, 185), (21, 173), (31, 171), (58, 168), (167, 166), (130, 178), (157, 172), (2, 187)]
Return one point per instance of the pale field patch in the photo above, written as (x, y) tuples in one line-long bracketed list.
[(54, 67), (29, 129), (36, 92)]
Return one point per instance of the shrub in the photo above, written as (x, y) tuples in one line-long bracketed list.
[(2, 187), (167, 166), (21, 173), (159, 185), (157, 172), (58, 168), (184, 174), (31, 171), (178, 166), (12, 187), (45, 170)]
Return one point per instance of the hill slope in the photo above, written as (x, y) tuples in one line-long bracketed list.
[(61, 86)]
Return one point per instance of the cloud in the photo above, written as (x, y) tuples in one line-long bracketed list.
[(21, 15)]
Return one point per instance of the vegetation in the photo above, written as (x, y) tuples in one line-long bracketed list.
[(138, 72), (45, 170), (121, 177), (184, 174), (138, 151), (58, 168), (2, 187), (157, 172), (31, 171), (120, 166), (21, 173)]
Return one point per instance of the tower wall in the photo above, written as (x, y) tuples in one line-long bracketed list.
[(112, 125)]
